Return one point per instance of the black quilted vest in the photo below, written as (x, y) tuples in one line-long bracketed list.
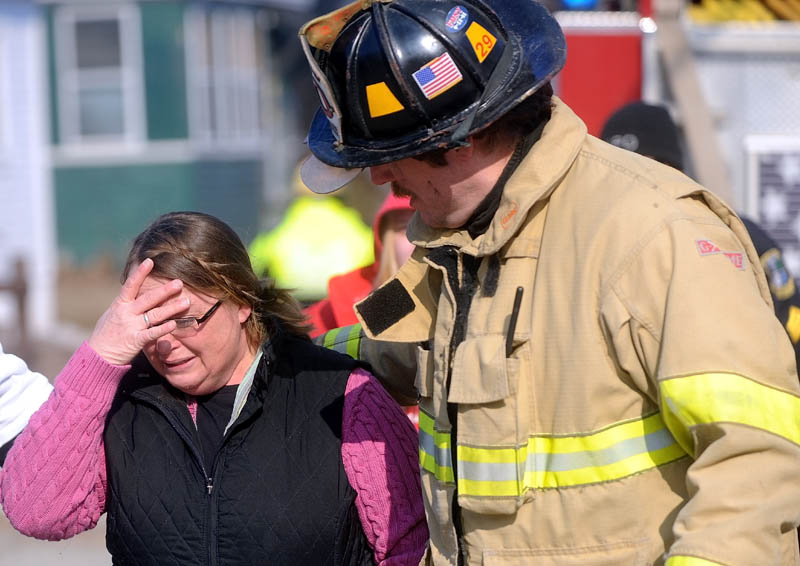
[(277, 492)]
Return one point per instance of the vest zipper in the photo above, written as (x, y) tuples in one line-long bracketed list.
[(209, 483), (211, 535), (212, 504)]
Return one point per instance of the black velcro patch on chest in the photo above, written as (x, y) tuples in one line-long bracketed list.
[(385, 306)]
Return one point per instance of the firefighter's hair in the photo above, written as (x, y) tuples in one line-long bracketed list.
[(207, 255)]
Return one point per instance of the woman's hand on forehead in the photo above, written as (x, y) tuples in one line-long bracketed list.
[(137, 316)]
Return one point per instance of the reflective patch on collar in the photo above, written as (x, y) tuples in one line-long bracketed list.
[(780, 281), (707, 247), (385, 306)]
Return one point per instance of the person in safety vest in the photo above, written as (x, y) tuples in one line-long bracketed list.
[(649, 129), (601, 377), (316, 239), (392, 249)]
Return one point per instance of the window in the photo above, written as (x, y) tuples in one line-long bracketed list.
[(226, 66), (98, 55)]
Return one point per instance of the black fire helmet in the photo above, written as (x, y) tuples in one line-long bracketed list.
[(398, 78)]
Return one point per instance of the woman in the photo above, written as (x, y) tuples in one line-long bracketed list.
[(230, 439)]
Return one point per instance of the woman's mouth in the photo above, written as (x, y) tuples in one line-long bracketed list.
[(177, 364)]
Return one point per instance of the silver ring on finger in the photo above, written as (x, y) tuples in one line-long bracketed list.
[(146, 320)]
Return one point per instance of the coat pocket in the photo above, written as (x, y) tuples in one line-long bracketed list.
[(623, 553), (481, 371)]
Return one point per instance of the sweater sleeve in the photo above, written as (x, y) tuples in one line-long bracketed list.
[(54, 480), (379, 451)]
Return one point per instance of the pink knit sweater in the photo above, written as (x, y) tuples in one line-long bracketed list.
[(54, 480)]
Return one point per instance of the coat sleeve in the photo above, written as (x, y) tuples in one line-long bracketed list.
[(701, 339), (379, 452), (54, 481), (394, 364)]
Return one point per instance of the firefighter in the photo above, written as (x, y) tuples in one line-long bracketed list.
[(601, 378)]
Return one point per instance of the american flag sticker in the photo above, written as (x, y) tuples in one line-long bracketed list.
[(437, 76)]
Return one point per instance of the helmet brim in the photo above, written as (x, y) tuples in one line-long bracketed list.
[(322, 178)]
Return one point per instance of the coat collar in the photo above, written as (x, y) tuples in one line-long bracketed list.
[(535, 178)]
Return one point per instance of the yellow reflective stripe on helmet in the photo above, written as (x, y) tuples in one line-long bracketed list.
[(615, 452), (690, 561), (726, 397), (345, 340), (434, 449)]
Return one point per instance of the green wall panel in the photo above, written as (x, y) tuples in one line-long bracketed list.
[(100, 210), (164, 70)]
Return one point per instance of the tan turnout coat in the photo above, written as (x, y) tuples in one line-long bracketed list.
[(648, 409)]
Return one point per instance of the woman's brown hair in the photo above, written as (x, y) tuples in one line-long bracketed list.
[(207, 255)]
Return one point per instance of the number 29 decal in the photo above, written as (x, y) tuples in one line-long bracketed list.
[(482, 41)]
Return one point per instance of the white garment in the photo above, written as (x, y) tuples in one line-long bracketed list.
[(22, 392)]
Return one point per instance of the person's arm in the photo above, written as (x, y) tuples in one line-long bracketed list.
[(22, 392), (394, 364), (54, 481), (380, 455), (692, 326)]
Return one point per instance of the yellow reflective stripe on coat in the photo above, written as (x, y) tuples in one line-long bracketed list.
[(345, 340), (726, 397), (434, 449), (610, 454), (690, 561)]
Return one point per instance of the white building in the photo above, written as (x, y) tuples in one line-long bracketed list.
[(26, 208)]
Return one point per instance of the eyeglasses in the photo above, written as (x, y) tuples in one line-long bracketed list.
[(190, 325)]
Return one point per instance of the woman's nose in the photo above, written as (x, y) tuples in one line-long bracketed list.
[(165, 345), (381, 174)]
